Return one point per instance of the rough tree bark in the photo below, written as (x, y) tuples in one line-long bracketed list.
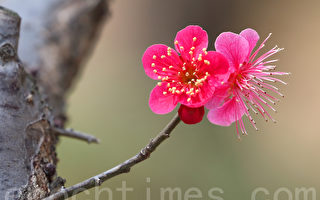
[(55, 38)]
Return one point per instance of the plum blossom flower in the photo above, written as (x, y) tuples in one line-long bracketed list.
[(187, 76), (250, 77)]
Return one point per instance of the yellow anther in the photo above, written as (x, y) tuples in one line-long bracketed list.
[(177, 91), (169, 53), (194, 39), (170, 89), (174, 88), (194, 73), (168, 85), (169, 49), (181, 48), (240, 65), (170, 66), (154, 57), (192, 80), (153, 65), (189, 82), (182, 90), (164, 93), (200, 58), (163, 56), (159, 83), (197, 91), (192, 48), (204, 49), (222, 82), (189, 99), (164, 69), (154, 71), (176, 42), (173, 81), (192, 93), (187, 74), (183, 68), (159, 77), (207, 62), (207, 73), (190, 52)]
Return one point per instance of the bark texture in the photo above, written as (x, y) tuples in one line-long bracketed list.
[(36, 71)]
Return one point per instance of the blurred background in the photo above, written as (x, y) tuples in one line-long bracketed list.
[(110, 100)]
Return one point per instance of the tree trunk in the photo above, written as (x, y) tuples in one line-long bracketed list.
[(37, 67)]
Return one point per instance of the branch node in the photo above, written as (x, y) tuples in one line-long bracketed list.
[(97, 181), (7, 52)]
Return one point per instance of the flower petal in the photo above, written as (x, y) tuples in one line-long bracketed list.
[(191, 115), (156, 57), (228, 113), (191, 37), (233, 46), (160, 103), (217, 64), (219, 95), (200, 99), (252, 37)]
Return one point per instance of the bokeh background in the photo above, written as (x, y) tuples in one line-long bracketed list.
[(110, 100)]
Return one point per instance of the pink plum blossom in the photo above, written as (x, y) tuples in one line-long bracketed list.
[(250, 77), (187, 76)]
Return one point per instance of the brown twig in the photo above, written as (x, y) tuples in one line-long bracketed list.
[(119, 169), (76, 134)]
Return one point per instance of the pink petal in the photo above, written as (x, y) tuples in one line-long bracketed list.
[(234, 47), (160, 103), (228, 113), (218, 64), (152, 59), (219, 95), (191, 36), (251, 36), (191, 115)]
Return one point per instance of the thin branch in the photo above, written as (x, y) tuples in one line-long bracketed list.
[(119, 169), (76, 134)]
